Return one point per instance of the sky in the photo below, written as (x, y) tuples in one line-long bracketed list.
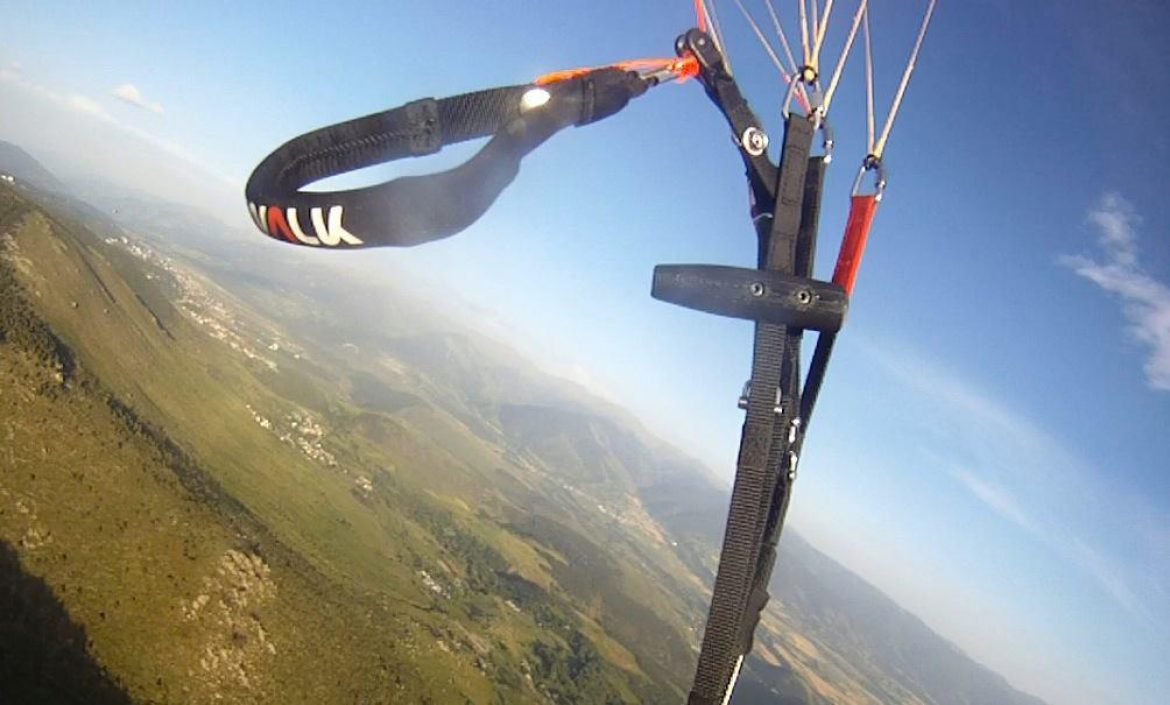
[(990, 448)]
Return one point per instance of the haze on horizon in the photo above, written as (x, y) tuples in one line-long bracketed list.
[(996, 466)]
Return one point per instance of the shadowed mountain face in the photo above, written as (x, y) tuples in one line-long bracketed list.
[(248, 477), (44, 655), (17, 163), (591, 449), (833, 605)]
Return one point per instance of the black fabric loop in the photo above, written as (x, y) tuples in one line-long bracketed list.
[(411, 210)]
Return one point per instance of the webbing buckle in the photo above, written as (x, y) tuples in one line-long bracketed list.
[(777, 408)]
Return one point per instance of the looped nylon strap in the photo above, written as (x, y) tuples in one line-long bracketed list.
[(415, 209)]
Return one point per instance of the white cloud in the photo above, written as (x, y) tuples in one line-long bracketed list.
[(1102, 569), (11, 71), (1108, 576), (995, 497), (1145, 300), (41, 117), (85, 104), (1034, 480), (129, 93), (77, 102)]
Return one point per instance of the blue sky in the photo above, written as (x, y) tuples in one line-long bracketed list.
[(991, 445)]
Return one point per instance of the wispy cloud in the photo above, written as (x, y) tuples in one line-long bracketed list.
[(1024, 474), (11, 71), (129, 93), (1106, 572), (85, 105), (1108, 576), (996, 497), (1145, 300), (13, 74)]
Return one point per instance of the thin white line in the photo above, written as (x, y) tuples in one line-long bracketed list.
[(734, 678), (881, 143), (868, 84), (804, 31), (763, 40), (844, 55), (787, 51), (820, 42), (717, 32), (816, 21)]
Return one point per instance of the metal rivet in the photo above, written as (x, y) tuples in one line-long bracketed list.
[(754, 141), (756, 289), (804, 296), (534, 98)]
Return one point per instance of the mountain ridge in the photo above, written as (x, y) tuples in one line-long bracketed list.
[(19, 164), (441, 388)]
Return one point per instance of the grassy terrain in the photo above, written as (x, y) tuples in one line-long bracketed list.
[(245, 478), (184, 594), (274, 543)]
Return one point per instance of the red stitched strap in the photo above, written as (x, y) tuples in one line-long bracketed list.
[(861, 212)]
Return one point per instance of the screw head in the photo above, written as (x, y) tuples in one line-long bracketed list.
[(534, 98), (756, 289), (804, 296), (754, 141)]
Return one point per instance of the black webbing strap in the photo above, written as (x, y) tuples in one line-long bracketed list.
[(723, 91), (414, 209), (757, 469), (824, 344), (788, 433)]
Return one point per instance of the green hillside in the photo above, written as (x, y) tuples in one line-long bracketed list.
[(263, 547), (232, 473)]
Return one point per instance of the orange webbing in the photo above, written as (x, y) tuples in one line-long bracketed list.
[(861, 212), (566, 74), (682, 67), (701, 15)]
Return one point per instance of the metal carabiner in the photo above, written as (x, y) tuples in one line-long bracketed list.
[(827, 139), (813, 95), (816, 110), (871, 163), (788, 95)]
